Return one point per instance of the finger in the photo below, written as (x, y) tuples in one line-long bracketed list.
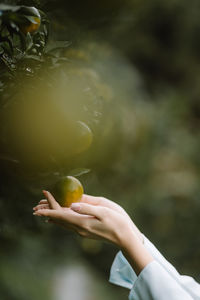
[(67, 216), (101, 201), (41, 206), (91, 199), (51, 200), (88, 209), (51, 213), (43, 201)]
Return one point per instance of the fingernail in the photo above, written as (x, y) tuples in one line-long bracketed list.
[(36, 214), (75, 206)]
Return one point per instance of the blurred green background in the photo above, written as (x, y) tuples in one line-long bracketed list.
[(146, 154)]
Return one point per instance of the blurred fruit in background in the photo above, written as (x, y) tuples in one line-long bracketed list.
[(27, 18)]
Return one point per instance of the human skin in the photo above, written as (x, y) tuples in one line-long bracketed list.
[(98, 218)]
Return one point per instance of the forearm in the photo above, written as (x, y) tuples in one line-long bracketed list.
[(133, 249)]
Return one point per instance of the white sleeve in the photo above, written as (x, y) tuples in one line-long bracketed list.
[(155, 283), (159, 280), (186, 282)]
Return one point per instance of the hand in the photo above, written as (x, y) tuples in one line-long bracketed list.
[(93, 217), (98, 218)]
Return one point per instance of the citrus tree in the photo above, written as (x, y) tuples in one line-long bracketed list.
[(50, 105)]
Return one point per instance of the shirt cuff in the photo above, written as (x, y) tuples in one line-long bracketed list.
[(121, 272)]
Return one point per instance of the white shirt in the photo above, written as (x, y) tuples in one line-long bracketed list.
[(159, 280)]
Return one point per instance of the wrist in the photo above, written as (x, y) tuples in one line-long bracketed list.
[(135, 252), (126, 236)]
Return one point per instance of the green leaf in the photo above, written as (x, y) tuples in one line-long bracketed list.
[(33, 57), (78, 172), (29, 41), (4, 7), (57, 45)]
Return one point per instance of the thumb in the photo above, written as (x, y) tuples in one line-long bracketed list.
[(87, 209), (51, 200)]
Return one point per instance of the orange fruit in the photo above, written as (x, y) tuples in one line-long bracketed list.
[(68, 190), (31, 26), (83, 136), (28, 19)]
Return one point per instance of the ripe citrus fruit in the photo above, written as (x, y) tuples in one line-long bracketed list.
[(68, 190), (31, 19), (83, 136), (31, 26)]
